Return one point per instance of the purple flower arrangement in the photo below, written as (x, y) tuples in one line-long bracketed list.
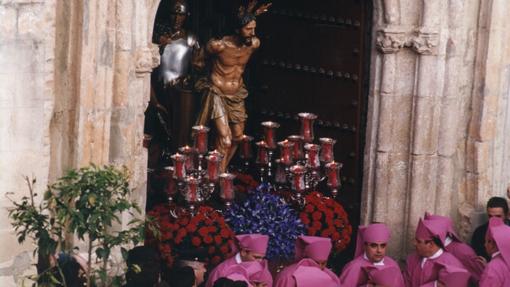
[(266, 213)]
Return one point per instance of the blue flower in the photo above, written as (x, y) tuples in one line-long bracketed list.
[(268, 214)]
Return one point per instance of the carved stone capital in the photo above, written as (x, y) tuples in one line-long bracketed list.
[(147, 59), (390, 40), (425, 42)]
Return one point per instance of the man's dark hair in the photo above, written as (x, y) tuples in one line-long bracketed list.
[(70, 269), (144, 267), (223, 282), (182, 277), (240, 283), (497, 201), (436, 241)]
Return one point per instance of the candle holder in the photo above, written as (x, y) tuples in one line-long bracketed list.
[(286, 151), (333, 175), (168, 174), (213, 165), (327, 154), (227, 188), (262, 159), (200, 142), (245, 151), (297, 183), (297, 149), (270, 139), (179, 161), (190, 154), (191, 195), (307, 120)]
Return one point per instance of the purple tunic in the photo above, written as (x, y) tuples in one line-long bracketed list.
[(467, 257), (220, 271), (286, 279), (496, 274), (352, 275), (416, 276)]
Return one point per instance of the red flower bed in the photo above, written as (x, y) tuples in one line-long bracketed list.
[(206, 230), (323, 216)]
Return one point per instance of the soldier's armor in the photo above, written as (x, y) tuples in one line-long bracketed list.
[(176, 60)]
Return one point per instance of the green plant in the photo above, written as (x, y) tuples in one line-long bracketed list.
[(87, 203)]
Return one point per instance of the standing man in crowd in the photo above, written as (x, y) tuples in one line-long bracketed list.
[(457, 248), (431, 266), (371, 265), (497, 245), (496, 207), (252, 247), (312, 255)]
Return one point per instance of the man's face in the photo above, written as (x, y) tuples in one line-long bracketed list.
[(247, 255), (177, 20), (496, 212), (199, 270), (247, 32), (375, 251), (423, 247), (490, 246)]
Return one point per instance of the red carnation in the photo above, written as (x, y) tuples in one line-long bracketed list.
[(316, 225), (217, 239), (224, 249), (196, 241), (191, 228), (305, 220), (316, 215), (211, 250), (208, 239), (182, 232), (309, 208), (224, 233), (203, 231)]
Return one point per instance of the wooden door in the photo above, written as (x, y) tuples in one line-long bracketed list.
[(314, 59)]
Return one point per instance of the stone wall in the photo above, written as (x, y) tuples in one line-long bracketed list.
[(438, 113), (27, 40)]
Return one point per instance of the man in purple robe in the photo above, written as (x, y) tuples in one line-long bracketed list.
[(371, 266), (310, 268), (497, 245), (431, 266), (252, 247), (251, 272), (457, 248)]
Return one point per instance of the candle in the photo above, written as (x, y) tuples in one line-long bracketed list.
[(246, 147), (312, 155), (280, 175), (262, 155), (285, 151), (189, 152), (269, 133), (179, 166), (191, 194), (307, 120), (333, 173), (297, 149), (227, 186), (298, 180), (213, 163), (327, 149), (200, 138)]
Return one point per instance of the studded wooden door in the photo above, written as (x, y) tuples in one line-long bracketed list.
[(313, 59)]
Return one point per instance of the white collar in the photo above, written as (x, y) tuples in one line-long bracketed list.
[(238, 258), (495, 254), (380, 263), (447, 241), (433, 256)]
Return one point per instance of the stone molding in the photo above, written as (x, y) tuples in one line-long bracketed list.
[(147, 59), (391, 39), (425, 42)]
